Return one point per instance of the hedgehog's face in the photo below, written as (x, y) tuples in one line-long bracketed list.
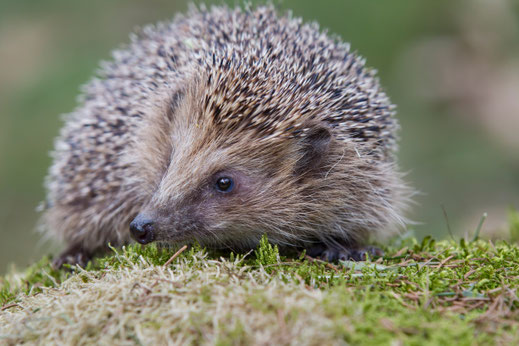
[(229, 191), (191, 204)]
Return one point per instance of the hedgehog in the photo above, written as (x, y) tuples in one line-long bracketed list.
[(224, 125)]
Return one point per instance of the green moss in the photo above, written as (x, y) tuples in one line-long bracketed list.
[(31, 281), (419, 293), (266, 254)]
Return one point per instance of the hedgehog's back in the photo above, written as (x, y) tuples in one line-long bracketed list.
[(273, 69)]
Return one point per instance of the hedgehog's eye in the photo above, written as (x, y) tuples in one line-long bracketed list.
[(224, 184)]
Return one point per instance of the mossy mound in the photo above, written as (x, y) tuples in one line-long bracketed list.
[(420, 293)]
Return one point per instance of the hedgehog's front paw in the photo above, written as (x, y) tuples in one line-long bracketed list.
[(332, 254), (73, 255)]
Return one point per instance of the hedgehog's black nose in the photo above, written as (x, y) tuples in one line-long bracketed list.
[(142, 229)]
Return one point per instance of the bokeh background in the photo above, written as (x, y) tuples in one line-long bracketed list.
[(452, 67)]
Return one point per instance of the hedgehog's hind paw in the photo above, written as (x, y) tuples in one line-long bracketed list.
[(73, 255), (332, 254), (362, 253)]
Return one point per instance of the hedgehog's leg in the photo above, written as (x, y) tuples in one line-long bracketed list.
[(88, 225), (73, 254), (87, 230), (343, 253)]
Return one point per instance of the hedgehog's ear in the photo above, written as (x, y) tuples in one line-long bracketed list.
[(314, 147)]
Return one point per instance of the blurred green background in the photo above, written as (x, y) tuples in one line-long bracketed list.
[(452, 67)]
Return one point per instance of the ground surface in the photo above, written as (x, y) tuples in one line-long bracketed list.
[(419, 293)]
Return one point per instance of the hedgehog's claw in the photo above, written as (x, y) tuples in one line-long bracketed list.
[(332, 254), (73, 255)]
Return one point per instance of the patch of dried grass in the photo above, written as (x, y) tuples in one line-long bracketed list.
[(184, 303)]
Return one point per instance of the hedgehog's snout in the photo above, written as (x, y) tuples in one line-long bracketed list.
[(142, 229)]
